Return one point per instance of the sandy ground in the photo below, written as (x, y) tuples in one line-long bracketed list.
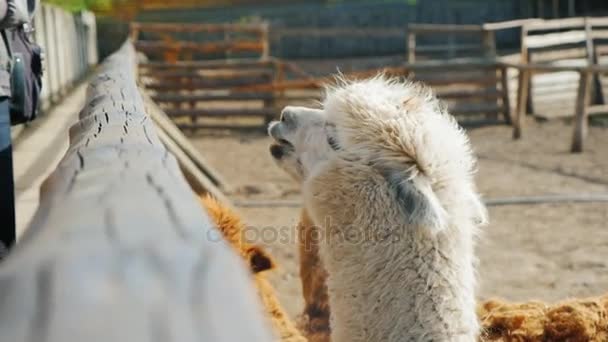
[(545, 251)]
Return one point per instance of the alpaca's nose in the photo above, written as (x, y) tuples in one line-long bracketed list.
[(274, 130)]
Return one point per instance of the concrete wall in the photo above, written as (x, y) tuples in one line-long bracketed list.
[(69, 41)]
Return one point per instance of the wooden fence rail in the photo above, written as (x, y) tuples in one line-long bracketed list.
[(485, 45), (120, 249), (173, 42)]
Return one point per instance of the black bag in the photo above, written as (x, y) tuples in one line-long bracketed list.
[(25, 73)]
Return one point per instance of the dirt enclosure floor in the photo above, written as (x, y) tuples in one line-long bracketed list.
[(545, 251)]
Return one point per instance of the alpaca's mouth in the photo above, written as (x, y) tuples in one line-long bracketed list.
[(280, 148), (284, 142)]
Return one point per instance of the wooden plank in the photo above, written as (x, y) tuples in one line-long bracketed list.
[(265, 43), (214, 64), (443, 28), (483, 93), (555, 111), (202, 83), (523, 84), (597, 21), (230, 96), (474, 108), (318, 83), (550, 91), (120, 249), (411, 47), (213, 81), (134, 32), (295, 69), (204, 48), (489, 44), (555, 24), (307, 84), (208, 74), (453, 64), (219, 112), (509, 24), (555, 39), (279, 99), (599, 34), (601, 50), (295, 98), (564, 94), (164, 123), (479, 120), (506, 102), (597, 109), (581, 119), (523, 50), (541, 56), (589, 42), (540, 68), (441, 80), (207, 28)]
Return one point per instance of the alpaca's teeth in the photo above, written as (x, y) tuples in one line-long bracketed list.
[(283, 142)]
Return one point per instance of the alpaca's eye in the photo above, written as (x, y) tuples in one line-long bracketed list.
[(330, 132), (333, 143)]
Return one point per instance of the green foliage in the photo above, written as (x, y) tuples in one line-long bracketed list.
[(79, 5)]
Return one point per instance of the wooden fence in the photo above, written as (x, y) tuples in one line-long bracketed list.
[(171, 42), (208, 94), (120, 249), (582, 106), (70, 49), (478, 90), (567, 42)]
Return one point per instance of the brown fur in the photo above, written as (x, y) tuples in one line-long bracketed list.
[(315, 318), (575, 320), (231, 227)]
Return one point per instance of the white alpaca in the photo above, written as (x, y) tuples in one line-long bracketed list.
[(386, 174)]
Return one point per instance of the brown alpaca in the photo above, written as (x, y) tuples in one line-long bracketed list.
[(574, 320), (315, 318), (231, 227)]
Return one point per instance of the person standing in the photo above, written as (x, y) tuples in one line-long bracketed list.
[(20, 85)]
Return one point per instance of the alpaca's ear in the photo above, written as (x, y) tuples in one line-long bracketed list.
[(479, 213), (259, 260), (419, 203)]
